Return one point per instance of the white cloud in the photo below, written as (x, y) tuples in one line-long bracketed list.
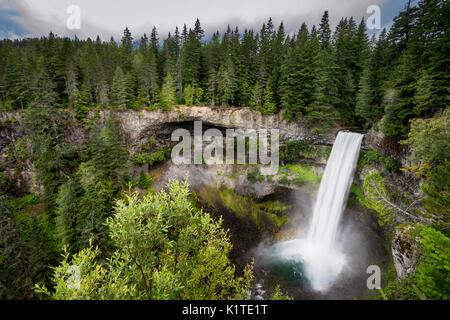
[(107, 17)]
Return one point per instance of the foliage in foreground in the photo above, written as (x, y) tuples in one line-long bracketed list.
[(165, 249)]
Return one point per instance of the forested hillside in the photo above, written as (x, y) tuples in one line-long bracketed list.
[(396, 83), (327, 76)]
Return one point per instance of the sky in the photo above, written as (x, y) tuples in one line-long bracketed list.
[(106, 18)]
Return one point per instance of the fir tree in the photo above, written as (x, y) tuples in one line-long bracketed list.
[(168, 93), (324, 32), (269, 105), (119, 88)]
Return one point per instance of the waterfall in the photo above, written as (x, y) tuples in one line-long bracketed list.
[(317, 253), (334, 188)]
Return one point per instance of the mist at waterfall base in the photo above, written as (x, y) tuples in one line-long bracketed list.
[(317, 259)]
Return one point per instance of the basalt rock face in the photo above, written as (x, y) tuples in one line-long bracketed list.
[(139, 126), (404, 252), (386, 146), (20, 173)]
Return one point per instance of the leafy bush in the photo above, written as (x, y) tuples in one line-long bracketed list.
[(165, 249), (255, 176), (324, 152), (157, 156), (293, 150), (366, 157), (140, 158), (376, 197), (25, 201), (430, 279), (437, 191), (151, 158), (429, 140), (145, 180), (5, 185), (284, 180), (305, 176), (390, 164), (434, 266), (372, 156), (128, 181)]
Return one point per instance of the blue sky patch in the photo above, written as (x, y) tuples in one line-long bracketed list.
[(9, 27)]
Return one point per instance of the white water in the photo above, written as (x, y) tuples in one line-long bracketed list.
[(334, 189), (318, 252)]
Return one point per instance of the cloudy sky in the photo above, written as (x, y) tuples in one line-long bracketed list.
[(25, 18)]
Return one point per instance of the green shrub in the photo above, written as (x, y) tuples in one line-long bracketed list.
[(140, 159), (390, 164), (293, 150), (151, 158), (369, 157), (255, 176), (366, 157), (306, 177), (145, 180), (164, 249), (157, 156), (437, 191), (5, 185), (323, 152), (284, 180), (28, 200), (434, 266), (129, 181), (430, 280), (81, 112), (375, 196)]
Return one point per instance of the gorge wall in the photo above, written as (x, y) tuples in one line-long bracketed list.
[(138, 126)]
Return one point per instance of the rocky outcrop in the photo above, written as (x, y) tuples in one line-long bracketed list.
[(386, 146), (404, 252), (138, 124)]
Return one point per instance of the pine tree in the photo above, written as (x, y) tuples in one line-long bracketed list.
[(119, 88), (82, 107), (178, 64), (257, 97), (269, 105), (104, 94), (17, 88), (107, 153), (71, 87), (68, 214), (142, 71), (324, 32), (364, 101), (191, 59), (126, 50), (321, 114), (45, 126), (15, 281), (188, 95), (227, 84), (298, 73), (399, 101), (168, 93), (278, 52)]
